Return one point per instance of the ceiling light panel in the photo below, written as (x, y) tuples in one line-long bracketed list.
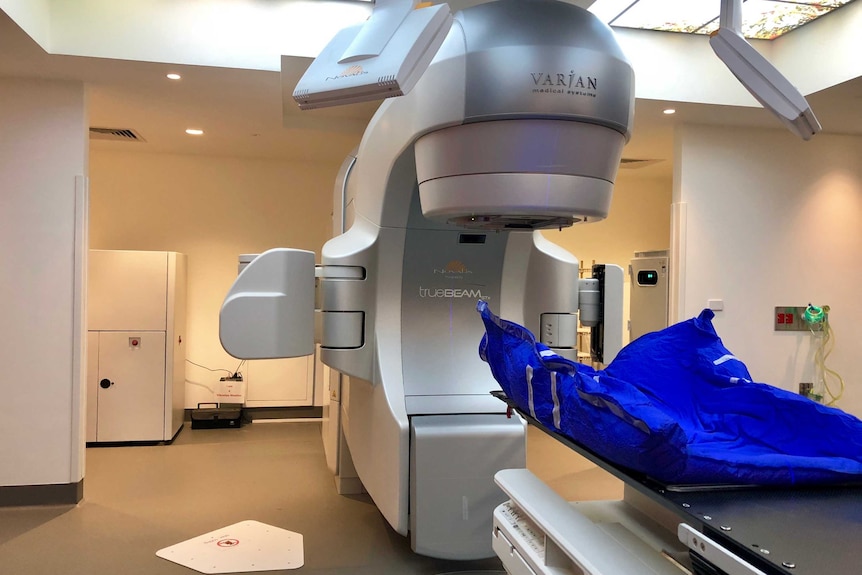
[(827, 3), (764, 19), (668, 15)]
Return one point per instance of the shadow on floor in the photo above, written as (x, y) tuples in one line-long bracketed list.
[(16, 521)]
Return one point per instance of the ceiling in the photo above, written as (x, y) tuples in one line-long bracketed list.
[(241, 110)]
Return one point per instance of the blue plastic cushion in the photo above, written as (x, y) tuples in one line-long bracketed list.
[(677, 406)]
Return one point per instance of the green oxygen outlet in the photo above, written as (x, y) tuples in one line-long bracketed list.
[(814, 314)]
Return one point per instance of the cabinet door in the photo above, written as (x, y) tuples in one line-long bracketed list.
[(131, 402), (127, 290), (280, 382)]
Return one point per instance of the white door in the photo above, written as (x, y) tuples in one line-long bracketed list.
[(131, 402)]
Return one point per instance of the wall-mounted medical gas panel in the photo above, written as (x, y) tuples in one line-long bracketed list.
[(136, 317)]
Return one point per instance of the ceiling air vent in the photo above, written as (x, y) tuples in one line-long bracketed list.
[(116, 134), (633, 163)]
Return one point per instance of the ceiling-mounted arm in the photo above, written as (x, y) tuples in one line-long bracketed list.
[(383, 57), (731, 15), (376, 32), (759, 77)]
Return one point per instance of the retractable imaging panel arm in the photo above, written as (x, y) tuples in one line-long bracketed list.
[(517, 125)]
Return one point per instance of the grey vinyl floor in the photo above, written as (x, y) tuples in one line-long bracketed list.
[(140, 499)]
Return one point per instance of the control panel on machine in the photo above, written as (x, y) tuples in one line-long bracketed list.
[(515, 524), (537, 532)]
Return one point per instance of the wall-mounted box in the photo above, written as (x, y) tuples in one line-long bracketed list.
[(649, 296)]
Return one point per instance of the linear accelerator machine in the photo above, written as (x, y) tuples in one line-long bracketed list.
[(518, 124)]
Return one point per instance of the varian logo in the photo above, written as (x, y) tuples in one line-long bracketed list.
[(355, 70), (571, 84)]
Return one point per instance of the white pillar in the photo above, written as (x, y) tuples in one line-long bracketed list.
[(43, 241)]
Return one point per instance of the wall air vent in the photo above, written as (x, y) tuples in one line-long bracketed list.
[(634, 163), (116, 134)]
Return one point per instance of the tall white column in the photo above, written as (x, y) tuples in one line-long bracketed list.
[(43, 227)]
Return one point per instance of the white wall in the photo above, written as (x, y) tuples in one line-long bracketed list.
[(770, 221), (639, 220), (212, 209), (822, 53), (43, 131), (682, 68)]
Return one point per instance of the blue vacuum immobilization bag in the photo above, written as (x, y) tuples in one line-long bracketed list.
[(677, 406)]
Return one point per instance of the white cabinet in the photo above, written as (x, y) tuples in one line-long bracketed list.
[(280, 382), (136, 356), (128, 406)]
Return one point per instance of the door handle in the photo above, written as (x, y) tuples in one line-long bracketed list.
[(106, 383)]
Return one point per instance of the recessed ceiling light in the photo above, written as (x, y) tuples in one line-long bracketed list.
[(194, 132), (668, 111), (173, 76)]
